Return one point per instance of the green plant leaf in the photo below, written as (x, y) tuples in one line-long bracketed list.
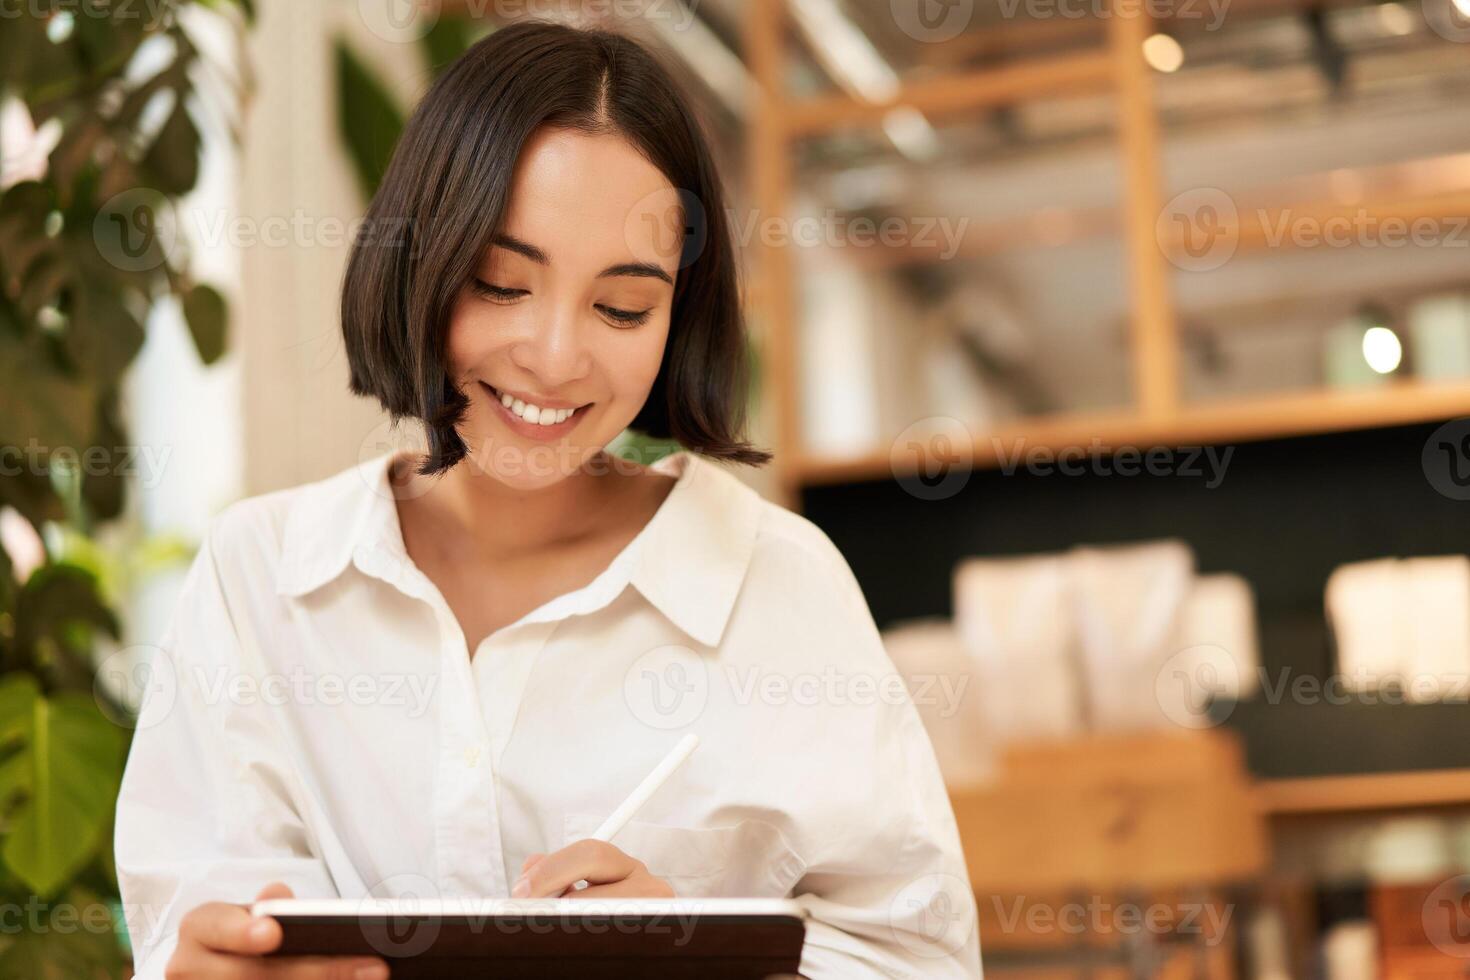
[(368, 115), (8, 586), (24, 243), (81, 951), (43, 406), (74, 756), (56, 600), (172, 162), (205, 311), (247, 7), (18, 693), (445, 41), (104, 487), (102, 336), (32, 65), (30, 493)]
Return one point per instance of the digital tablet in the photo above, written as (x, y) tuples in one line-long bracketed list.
[(722, 938)]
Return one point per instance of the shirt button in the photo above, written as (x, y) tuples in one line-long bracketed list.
[(472, 756)]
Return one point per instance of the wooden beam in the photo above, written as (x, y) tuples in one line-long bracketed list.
[(1375, 791), (1242, 420), (1086, 72), (770, 183), (1026, 36), (1155, 331)]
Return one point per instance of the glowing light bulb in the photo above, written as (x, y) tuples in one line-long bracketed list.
[(1382, 350), (1164, 54)]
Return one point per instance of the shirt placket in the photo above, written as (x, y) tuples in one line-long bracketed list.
[(467, 824), (466, 819), (502, 667)]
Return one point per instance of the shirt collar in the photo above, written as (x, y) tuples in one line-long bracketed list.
[(688, 561)]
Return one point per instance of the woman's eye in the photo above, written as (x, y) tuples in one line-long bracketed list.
[(496, 294), (630, 317)]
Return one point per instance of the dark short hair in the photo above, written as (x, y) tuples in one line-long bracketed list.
[(445, 193)]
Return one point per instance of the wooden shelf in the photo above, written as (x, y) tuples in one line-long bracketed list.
[(1242, 420), (1104, 58), (1086, 73), (1376, 791)]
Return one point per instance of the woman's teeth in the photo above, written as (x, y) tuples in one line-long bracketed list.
[(535, 414)]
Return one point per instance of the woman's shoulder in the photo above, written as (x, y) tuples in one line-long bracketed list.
[(261, 528), (786, 546)]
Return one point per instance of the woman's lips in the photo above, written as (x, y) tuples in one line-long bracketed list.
[(535, 430)]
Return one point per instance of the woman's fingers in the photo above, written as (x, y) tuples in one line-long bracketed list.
[(636, 886), (596, 861), (227, 928), (220, 940), (276, 889), (324, 968), (223, 966), (530, 860)]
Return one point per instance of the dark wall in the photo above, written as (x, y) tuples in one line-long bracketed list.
[(1284, 515)]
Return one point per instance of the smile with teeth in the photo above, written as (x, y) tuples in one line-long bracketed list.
[(534, 414)]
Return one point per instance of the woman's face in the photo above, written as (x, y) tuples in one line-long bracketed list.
[(569, 310)]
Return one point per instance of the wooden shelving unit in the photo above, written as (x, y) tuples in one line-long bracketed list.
[(1158, 414), (1367, 793), (1239, 420)]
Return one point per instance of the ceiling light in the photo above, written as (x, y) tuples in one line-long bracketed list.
[(1163, 53), (1382, 350)]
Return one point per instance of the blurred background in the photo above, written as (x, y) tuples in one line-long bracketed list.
[(1122, 347)]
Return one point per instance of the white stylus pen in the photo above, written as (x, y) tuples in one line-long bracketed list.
[(646, 789)]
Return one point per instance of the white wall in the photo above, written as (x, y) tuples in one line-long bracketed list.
[(300, 421)]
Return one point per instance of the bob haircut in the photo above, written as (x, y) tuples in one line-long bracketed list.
[(446, 190)]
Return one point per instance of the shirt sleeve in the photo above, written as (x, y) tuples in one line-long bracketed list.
[(885, 884), (204, 812)]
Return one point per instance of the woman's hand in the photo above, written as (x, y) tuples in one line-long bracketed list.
[(608, 871), (222, 940)]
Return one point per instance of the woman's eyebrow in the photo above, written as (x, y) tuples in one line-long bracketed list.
[(513, 244), (645, 269)]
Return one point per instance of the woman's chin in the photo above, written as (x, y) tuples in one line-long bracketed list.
[(527, 465)]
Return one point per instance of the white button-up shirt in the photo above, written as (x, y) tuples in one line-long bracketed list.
[(315, 718)]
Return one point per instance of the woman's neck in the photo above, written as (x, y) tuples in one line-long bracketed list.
[(476, 512)]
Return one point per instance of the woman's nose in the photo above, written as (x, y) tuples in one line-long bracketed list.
[(555, 351)]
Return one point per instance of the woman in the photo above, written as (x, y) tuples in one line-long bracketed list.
[(434, 676)]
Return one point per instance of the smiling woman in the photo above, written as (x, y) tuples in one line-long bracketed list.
[(563, 174), (565, 323), (559, 271)]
